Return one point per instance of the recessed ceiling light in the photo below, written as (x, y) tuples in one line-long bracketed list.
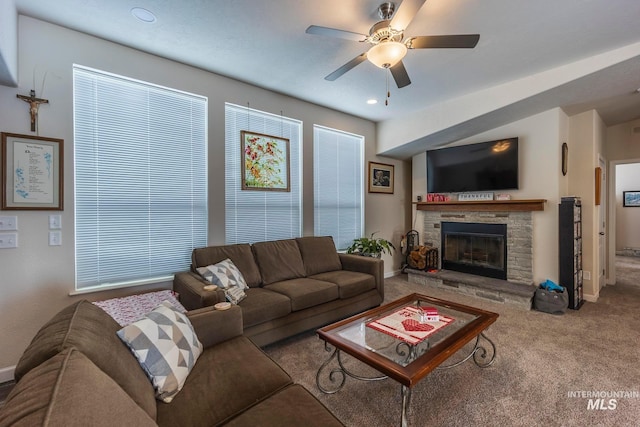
[(372, 101), (143, 15)]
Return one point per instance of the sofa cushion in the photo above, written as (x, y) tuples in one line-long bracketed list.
[(68, 390), (227, 379), (305, 293), (319, 254), (278, 260), (293, 406), (240, 254), (93, 332), (166, 346), (350, 283), (262, 305)]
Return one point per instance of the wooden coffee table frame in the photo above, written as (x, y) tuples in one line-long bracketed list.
[(408, 376)]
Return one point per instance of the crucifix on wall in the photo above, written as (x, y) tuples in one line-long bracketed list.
[(34, 105)]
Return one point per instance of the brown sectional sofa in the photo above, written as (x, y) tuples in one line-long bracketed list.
[(294, 285), (76, 372)]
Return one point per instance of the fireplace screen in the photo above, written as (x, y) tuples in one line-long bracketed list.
[(485, 251), (475, 248)]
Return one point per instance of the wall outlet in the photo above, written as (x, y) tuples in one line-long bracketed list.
[(8, 240), (55, 238), (8, 223), (586, 275)]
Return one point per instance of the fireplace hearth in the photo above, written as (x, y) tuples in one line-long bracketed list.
[(475, 248)]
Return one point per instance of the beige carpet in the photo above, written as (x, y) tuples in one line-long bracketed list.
[(628, 270), (541, 358)]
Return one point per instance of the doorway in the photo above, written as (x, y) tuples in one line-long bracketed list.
[(623, 229)]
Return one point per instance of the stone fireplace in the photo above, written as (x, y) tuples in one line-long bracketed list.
[(505, 244), (503, 249)]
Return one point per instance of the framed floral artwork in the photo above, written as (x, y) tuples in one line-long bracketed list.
[(380, 178), (265, 162)]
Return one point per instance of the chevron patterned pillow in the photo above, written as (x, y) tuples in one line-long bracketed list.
[(226, 275), (166, 347)]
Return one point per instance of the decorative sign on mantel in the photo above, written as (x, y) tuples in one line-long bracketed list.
[(474, 197)]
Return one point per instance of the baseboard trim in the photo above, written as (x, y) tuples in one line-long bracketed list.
[(7, 374), (591, 298), (392, 274)]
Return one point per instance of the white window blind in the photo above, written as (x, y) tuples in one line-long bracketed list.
[(140, 179), (338, 185), (253, 215)]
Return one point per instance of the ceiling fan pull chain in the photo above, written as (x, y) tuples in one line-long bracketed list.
[(386, 101)]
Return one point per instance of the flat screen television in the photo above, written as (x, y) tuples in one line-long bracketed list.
[(487, 166)]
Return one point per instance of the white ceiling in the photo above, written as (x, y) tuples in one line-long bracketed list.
[(263, 42)]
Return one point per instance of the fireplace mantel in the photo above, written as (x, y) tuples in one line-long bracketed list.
[(484, 205)]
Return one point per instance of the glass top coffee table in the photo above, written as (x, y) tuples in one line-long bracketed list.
[(405, 340)]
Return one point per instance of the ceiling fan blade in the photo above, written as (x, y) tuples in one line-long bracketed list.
[(405, 13), (452, 41), (400, 75), (332, 32), (346, 67)]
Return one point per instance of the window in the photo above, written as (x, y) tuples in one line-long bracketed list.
[(254, 216), (140, 179), (338, 185)]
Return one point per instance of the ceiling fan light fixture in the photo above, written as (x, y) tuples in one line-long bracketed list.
[(387, 54)]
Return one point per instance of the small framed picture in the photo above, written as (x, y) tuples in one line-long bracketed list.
[(32, 172), (380, 178), (631, 199)]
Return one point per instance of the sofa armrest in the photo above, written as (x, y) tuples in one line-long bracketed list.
[(215, 326), (190, 288), (363, 264)]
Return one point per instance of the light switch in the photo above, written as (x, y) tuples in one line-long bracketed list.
[(55, 222), (55, 238), (8, 240), (8, 223)]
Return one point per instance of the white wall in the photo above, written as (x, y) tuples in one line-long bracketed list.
[(586, 142), (419, 188), (623, 141), (36, 278), (540, 141), (627, 218), (8, 43)]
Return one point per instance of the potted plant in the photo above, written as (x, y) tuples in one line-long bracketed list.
[(370, 246)]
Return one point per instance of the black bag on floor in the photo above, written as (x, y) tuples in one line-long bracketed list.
[(553, 302)]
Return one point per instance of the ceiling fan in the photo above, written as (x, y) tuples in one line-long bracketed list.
[(388, 43)]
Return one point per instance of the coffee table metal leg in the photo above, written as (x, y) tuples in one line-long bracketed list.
[(339, 374), (481, 356), (406, 401), (332, 374)]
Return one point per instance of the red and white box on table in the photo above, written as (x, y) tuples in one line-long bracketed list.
[(429, 314)]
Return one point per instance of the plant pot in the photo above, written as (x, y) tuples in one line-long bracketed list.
[(371, 255)]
